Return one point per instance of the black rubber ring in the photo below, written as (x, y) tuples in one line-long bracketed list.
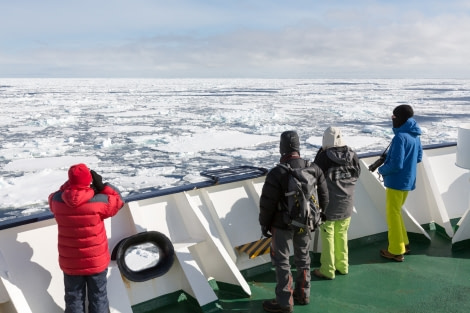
[(167, 254)]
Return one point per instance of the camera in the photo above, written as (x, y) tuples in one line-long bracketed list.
[(377, 163)]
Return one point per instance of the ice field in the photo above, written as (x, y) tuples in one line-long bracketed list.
[(142, 134)]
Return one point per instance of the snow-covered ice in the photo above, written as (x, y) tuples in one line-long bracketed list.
[(155, 133)]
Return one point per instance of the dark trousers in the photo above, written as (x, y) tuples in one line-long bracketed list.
[(78, 287), (280, 253)]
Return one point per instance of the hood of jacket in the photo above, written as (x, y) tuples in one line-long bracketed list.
[(341, 155), (410, 126), (75, 196)]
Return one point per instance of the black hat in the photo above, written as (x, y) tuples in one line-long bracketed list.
[(289, 142), (402, 113)]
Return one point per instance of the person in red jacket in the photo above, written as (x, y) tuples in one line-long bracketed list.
[(80, 207)]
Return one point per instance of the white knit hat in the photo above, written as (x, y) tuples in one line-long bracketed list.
[(332, 138)]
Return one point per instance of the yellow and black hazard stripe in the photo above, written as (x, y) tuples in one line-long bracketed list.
[(256, 248)]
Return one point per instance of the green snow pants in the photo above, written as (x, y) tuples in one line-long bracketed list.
[(334, 241), (397, 235)]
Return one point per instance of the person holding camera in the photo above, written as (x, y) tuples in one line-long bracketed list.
[(399, 176), (80, 207)]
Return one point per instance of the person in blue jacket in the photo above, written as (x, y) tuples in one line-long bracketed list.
[(399, 176)]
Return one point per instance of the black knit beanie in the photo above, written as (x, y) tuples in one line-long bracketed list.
[(289, 142), (402, 113)]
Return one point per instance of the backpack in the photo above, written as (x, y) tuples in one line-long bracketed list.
[(300, 207)]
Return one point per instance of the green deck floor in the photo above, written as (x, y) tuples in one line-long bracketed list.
[(433, 278)]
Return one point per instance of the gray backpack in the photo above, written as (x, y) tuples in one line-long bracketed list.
[(300, 207)]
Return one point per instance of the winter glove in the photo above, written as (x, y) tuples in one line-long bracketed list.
[(97, 181), (266, 231)]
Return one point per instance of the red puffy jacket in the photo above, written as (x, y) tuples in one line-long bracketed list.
[(82, 242)]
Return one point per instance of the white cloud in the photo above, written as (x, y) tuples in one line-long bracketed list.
[(197, 39)]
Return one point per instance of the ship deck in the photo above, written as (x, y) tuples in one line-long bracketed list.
[(433, 278)]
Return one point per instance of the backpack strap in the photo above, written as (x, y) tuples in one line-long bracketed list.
[(288, 168), (285, 166)]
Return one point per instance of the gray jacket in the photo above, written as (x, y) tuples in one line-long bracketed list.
[(341, 168)]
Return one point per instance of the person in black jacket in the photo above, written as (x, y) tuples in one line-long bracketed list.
[(340, 164), (272, 224)]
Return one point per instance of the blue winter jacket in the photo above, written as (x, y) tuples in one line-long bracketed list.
[(399, 169)]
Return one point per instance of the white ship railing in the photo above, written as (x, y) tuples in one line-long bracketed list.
[(206, 222)]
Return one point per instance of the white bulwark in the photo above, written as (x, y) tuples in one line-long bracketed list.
[(206, 224)]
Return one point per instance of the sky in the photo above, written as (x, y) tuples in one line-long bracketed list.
[(235, 39)]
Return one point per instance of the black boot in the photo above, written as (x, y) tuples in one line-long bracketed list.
[(273, 306)]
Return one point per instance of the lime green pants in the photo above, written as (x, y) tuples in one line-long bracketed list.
[(397, 236), (334, 241)]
